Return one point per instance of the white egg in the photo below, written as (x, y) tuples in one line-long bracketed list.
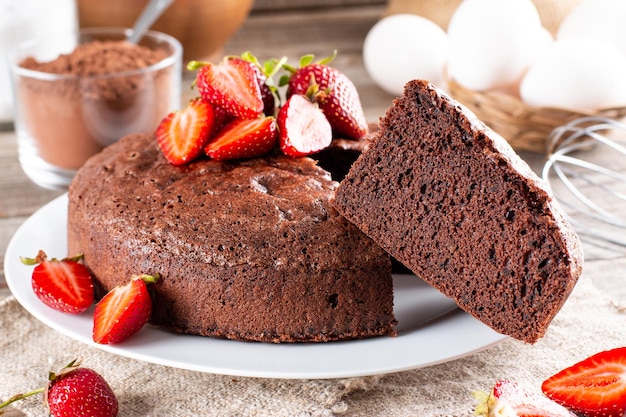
[(492, 42), (600, 19), (403, 47), (577, 74)]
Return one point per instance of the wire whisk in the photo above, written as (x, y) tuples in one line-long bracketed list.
[(586, 171)]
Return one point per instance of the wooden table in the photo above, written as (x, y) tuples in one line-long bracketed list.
[(292, 34)]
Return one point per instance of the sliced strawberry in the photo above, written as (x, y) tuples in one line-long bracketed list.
[(269, 100), (244, 139), (123, 311), (303, 128), (182, 135), (510, 399), (336, 94), (64, 285), (232, 85), (264, 75), (593, 387), (267, 96)]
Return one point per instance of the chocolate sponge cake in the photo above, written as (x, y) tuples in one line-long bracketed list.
[(452, 201), (248, 250)]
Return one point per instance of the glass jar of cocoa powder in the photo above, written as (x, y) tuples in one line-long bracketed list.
[(77, 93)]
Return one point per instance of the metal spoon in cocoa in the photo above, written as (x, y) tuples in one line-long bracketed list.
[(150, 13)]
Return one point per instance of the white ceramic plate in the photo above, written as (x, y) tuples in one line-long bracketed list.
[(431, 329)]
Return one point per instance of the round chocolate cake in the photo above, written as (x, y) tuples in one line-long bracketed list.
[(247, 250)]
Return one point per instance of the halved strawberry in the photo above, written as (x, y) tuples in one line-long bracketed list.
[(244, 139), (593, 387), (264, 75), (232, 85), (510, 399), (267, 95), (64, 285), (336, 94), (303, 127), (123, 311), (182, 135)]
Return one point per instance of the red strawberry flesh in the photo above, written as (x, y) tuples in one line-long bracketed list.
[(182, 135), (303, 127), (122, 312), (595, 386), (267, 96), (244, 139), (64, 285), (232, 85)]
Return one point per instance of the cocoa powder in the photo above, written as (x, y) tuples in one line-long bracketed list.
[(71, 118)]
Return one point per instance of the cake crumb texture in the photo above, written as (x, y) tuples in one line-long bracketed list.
[(452, 201)]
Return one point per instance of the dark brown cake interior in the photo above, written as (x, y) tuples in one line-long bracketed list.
[(338, 159), (451, 201)]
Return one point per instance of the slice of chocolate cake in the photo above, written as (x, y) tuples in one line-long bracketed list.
[(452, 201)]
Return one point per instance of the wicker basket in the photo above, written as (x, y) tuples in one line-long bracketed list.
[(525, 127), (551, 12)]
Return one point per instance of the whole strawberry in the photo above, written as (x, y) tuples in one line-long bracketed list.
[(335, 93), (75, 391), (64, 285)]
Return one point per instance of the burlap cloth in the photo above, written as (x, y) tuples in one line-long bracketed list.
[(589, 322)]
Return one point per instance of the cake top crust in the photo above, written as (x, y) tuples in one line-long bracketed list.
[(211, 210)]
